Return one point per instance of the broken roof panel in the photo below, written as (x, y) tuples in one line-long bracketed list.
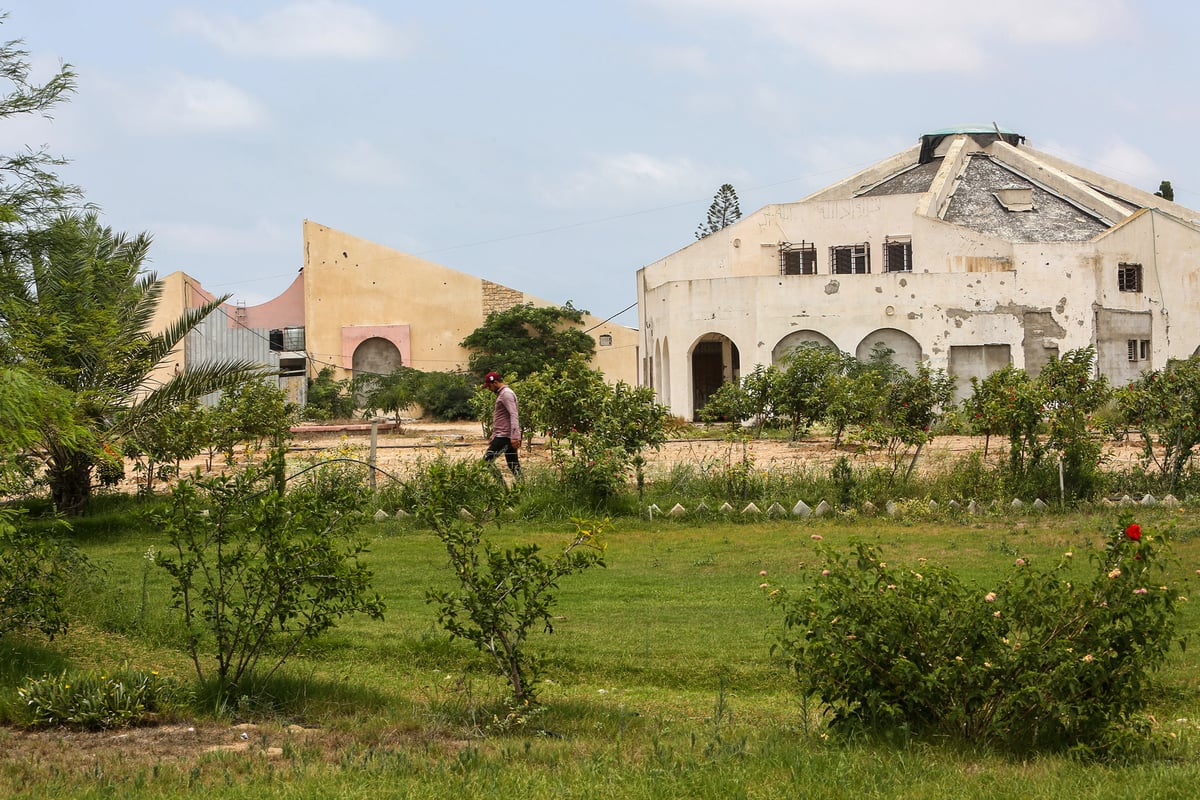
[(914, 180), (975, 205)]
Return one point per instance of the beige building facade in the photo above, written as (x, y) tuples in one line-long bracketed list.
[(359, 307), (969, 251)]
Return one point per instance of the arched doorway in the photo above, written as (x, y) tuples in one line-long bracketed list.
[(715, 360), (376, 356), (797, 338), (906, 351)]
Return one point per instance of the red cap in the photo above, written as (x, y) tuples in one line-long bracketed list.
[(491, 378)]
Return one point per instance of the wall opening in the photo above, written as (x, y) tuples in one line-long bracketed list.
[(376, 356), (798, 339), (906, 351), (715, 361)]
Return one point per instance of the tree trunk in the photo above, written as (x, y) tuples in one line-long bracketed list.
[(70, 477)]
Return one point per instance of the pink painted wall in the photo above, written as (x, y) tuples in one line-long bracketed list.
[(285, 311)]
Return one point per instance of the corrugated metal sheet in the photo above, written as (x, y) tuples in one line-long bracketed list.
[(215, 340)]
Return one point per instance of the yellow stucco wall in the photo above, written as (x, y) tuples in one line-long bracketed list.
[(178, 292), (354, 289), (353, 283)]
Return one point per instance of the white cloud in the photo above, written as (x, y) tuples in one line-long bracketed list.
[(300, 30), (186, 104), (627, 178), (927, 36), (361, 162)]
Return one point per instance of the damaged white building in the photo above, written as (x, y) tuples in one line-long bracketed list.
[(970, 251)]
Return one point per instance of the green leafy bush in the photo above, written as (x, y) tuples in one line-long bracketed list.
[(441, 488), (446, 395), (35, 569), (1163, 408), (259, 572), (1040, 661), (328, 398), (591, 470), (96, 701), (503, 594)]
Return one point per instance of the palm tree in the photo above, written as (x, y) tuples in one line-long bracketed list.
[(76, 307)]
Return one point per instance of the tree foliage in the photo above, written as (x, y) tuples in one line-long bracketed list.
[(1047, 421), (35, 569), (255, 414), (809, 374), (328, 398), (78, 308), (906, 410), (723, 212), (440, 395), (390, 393), (30, 191), (598, 432), (1163, 407), (526, 338), (161, 444)]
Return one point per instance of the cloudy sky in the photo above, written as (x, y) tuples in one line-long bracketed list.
[(556, 147)]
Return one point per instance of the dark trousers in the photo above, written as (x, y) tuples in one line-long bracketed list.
[(502, 444)]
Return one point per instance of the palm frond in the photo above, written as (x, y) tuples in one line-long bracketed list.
[(193, 384)]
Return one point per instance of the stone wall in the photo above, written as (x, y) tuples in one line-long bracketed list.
[(499, 298)]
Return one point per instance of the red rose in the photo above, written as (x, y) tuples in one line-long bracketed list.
[(1133, 532)]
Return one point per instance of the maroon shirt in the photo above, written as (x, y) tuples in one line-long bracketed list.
[(505, 419)]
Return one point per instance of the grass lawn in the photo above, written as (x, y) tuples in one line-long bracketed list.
[(659, 680)]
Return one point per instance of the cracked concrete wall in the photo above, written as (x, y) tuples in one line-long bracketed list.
[(967, 290)]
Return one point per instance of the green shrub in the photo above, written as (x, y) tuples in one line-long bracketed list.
[(503, 594), (441, 488), (95, 701), (446, 395), (35, 570), (258, 572), (592, 470), (328, 398), (1041, 661)]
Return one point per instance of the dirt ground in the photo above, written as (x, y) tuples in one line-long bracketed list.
[(399, 451)]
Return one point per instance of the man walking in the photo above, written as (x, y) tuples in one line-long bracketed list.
[(506, 424)]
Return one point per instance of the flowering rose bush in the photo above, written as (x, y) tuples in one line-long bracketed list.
[(1038, 661)]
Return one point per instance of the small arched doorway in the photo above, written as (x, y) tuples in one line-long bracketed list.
[(715, 360)]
